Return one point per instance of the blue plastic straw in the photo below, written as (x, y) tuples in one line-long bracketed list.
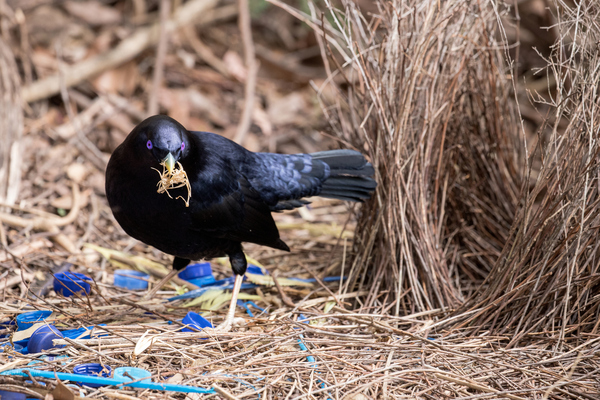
[(167, 387)]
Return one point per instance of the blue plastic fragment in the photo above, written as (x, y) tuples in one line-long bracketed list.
[(76, 333), (240, 303), (26, 320), (7, 395), (125, 382), (130, 279), (69, 283), (48, 358), (42, 339), (93, 369), (199, 292), (302, 318), (255, 269), (195, 321), (6, 346), (247, 305), (304, 348), (138, 374)]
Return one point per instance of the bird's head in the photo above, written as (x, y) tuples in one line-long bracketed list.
[(164, 138)]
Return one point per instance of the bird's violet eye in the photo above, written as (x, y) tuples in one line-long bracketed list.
[(149, 144), (182, 146)]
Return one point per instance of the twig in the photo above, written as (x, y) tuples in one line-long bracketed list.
[(161, 51), (204, 52), (48, 224), (252, 69), (477, 386), (224, 393), (286, 300), (128, 49)]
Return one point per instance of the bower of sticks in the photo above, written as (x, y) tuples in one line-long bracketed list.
[(472, 273)]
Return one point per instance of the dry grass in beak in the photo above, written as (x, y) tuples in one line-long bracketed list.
[(174, 180)]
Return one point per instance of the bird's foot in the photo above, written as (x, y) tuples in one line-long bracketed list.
[(229, 323), (225, 326)]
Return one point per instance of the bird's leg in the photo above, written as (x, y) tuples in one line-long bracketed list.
[(239, 265), (226, 325), (178, 265)]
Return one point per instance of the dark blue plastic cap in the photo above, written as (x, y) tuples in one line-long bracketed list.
[(69, 283), (6, 395), (195, 321), (130, 279), (93, 369), (199, 274), (42, 339), (26, 320)]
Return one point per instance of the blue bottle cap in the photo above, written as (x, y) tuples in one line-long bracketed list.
[(195, 271), (93, 369), (6, 395), (199, 274), (69, 283), (135, 373), (195, 321), (26, 320), (42, 339), (130, 279)]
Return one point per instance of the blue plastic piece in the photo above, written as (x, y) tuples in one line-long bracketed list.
[(130, 279), (226, 281), (92, 369), (49, 358), (199, 274), (69, 283), (302, 318), (26, 320), (255, 269), (125, 382), (247, 305), (199, 292), (6, 345), (196, 321), (42, 339), (135, 373), (6, 395), (76, 333)]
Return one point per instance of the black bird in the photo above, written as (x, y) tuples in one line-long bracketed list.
[(233, 192)]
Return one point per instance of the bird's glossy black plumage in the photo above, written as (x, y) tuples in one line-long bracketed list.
[(233, 190)]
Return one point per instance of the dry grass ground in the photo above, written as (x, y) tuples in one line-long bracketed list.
[(472, 274)]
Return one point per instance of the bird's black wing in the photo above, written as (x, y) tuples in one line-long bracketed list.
[(284, 180), (227, 207)]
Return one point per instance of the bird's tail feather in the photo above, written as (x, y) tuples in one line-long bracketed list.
[(350, 175)]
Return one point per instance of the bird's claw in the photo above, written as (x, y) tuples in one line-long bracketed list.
[(223, 327), (226, 325)]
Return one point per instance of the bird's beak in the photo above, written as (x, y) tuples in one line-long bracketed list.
[(169, 161)]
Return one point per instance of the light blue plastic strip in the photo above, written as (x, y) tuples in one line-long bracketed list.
[(199, 292), (166, 387)]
